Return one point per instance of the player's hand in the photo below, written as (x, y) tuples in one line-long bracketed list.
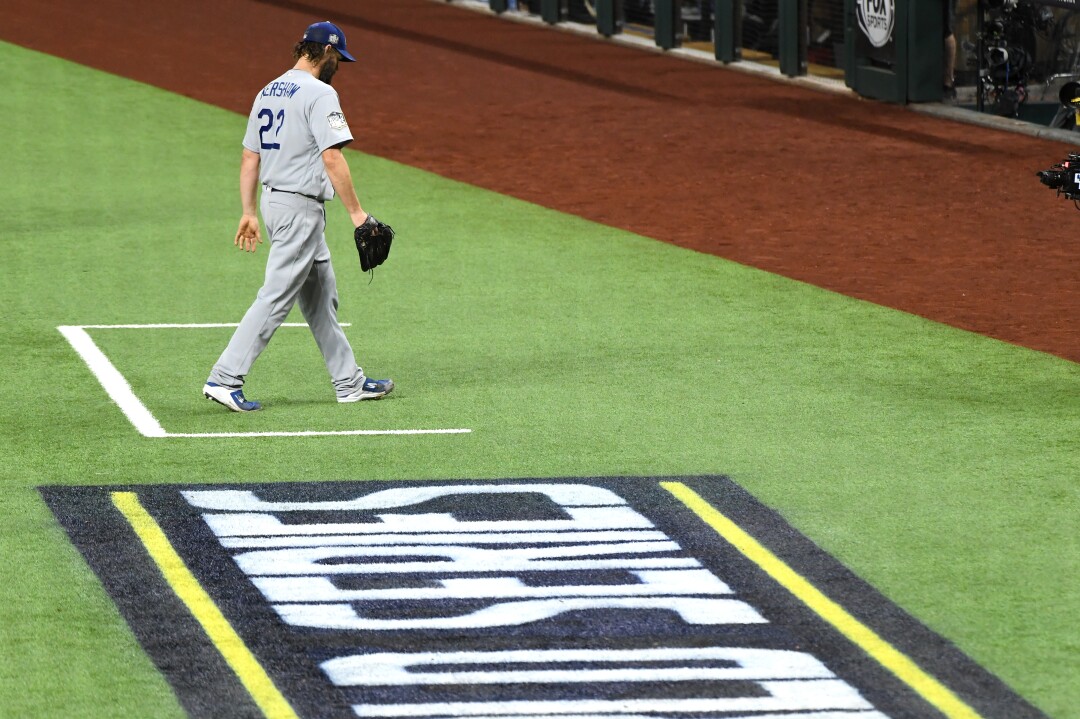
[(358, 217), (248, 237)]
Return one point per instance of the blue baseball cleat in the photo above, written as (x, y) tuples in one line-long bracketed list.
[(231, 398), (371, 389)]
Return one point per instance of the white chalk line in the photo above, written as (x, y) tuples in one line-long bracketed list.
[(119, 390), (313, 433), (201, 325), (113, 381)]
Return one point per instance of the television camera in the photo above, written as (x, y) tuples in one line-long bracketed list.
[(1065, 175)]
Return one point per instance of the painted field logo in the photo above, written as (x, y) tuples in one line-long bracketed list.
[(876, 19), (574, 598)]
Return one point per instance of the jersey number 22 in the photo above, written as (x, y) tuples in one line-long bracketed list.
[(266, 127)]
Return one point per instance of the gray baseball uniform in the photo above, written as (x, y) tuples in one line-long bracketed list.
[(293, 120)]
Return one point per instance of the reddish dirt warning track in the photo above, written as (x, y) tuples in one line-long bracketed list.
[(937, 218)]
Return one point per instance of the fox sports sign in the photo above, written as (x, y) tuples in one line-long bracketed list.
[(876, 18)]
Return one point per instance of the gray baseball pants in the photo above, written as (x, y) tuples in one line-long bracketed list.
[(297, 268)]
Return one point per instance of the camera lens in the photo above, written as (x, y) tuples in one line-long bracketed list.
[(1054, 179)]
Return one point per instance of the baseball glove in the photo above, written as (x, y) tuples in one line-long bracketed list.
[(373, 240)]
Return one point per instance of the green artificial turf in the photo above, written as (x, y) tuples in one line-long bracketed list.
[(939, 465)]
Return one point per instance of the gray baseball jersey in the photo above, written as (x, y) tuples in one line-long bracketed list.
[(293, 120)]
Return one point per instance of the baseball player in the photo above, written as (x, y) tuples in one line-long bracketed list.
[(292, 147)]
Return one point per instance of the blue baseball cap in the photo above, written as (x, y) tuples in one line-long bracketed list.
[(327, 33)]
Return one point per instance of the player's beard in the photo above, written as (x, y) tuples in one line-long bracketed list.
[(326, 72)]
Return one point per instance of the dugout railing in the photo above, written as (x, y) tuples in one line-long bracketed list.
[(796, 36), (1010, 56)]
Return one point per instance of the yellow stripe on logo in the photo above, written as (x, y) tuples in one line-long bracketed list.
[(865, 638), (202, 607)]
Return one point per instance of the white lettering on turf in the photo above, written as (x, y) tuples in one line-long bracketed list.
[(355, 565)]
